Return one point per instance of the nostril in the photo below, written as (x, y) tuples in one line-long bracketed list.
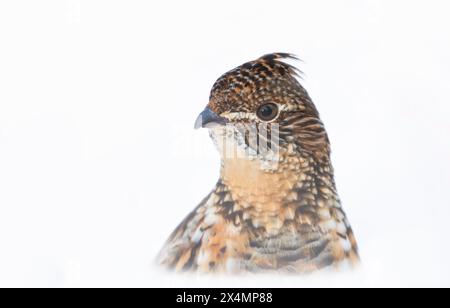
[(209, 118)]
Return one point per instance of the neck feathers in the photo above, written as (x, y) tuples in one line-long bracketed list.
[(299, 189)]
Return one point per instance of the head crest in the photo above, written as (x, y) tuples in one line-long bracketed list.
[(249, 75)]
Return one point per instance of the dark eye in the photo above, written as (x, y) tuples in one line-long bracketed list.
[(267, 112)]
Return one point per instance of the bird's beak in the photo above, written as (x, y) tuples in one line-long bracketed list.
[(209, 118)]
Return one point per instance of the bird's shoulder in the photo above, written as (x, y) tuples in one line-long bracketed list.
[(204, 237), (215, 237)]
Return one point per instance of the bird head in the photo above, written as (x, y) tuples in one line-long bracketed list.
[(261, 108)]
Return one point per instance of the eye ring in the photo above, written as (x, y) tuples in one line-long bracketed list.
[(267, 112)]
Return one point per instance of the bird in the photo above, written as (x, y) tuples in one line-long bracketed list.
[(275, 208)]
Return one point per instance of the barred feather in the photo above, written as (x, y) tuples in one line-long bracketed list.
[(270, 211)]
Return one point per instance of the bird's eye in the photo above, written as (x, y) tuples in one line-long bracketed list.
[(267, 112)]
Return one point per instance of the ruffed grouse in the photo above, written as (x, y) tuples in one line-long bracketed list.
[(275, 206)]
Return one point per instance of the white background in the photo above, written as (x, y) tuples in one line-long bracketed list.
[(99, 160)]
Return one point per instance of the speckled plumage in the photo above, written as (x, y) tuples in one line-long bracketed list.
[(273, 210)]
